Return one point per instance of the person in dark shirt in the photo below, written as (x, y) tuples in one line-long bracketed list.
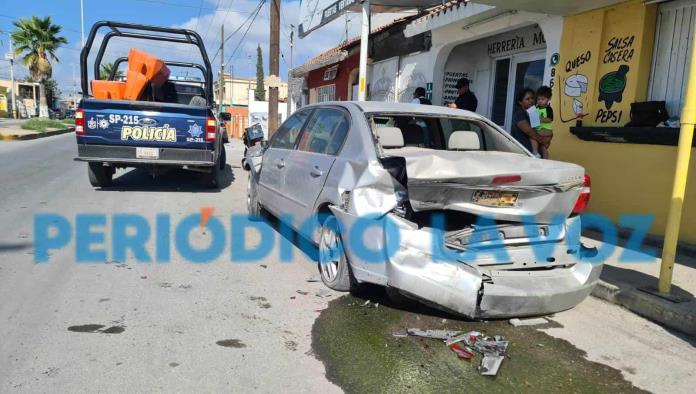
[(466, 99), (419, 97), (521, 129)]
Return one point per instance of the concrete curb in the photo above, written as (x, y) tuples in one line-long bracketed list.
[(33, 136), (677, 316)]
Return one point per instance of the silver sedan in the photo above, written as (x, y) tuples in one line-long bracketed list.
[(437, 204)]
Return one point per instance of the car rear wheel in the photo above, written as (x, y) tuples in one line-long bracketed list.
[(99, 175), (334, 268)]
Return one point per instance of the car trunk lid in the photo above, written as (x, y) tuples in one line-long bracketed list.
[(498, 185)]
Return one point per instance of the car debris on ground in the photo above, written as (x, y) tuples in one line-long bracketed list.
[(466, 344), (528, 322)]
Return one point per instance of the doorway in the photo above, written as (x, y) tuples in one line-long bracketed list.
[(526, 71), (512, 74)]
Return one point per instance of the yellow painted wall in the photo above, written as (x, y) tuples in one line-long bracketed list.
[(626, 178)]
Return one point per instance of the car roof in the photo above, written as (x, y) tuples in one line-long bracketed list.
[(409, 109)]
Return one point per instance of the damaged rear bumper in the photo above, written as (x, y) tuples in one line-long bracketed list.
[(469, 290)]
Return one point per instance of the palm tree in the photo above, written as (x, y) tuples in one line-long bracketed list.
[(37, 41), (105, 71)]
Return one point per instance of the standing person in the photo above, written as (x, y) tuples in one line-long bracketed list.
[(521, 130), (545, 128), (419, 97), (466, 99)]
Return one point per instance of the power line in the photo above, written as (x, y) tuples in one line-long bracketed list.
[(253, 14), (245, 32), (198, 19), (175, 4), (205, 36)]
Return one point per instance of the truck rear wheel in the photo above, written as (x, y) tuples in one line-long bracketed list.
[(223, 157), (99, 175), (213, 178)]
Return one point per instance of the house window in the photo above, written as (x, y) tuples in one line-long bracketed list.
[(326, 93), (670, 66), (330, 73)]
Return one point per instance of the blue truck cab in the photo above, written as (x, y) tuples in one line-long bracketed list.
[(170, 125)]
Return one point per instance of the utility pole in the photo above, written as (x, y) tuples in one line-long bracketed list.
[(74, 92), (82, 22), (292, 46), (274, 65), (364, 37), (222, 66), (14, 96), (232, 84)]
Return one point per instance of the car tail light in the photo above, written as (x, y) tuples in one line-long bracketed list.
[(80, 122), (506, 179), (584, 197), (210, 130)]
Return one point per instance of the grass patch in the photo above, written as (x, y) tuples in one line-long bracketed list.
[(68, 121), (41, 124), (361, 355)]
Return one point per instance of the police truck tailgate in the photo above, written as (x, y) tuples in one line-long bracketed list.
[(129, 131)]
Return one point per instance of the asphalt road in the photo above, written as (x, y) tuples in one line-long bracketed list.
[(180, 326)]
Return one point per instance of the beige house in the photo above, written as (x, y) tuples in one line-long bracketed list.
[(236, 90), (27, 94)]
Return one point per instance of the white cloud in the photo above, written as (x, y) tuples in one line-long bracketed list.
[(232, 13)]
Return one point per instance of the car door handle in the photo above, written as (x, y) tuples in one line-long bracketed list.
[(280, 163), (316, 172)]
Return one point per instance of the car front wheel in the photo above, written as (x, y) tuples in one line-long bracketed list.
[(333, 262)]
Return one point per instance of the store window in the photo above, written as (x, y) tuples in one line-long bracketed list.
[(670, 67), (326, 93)]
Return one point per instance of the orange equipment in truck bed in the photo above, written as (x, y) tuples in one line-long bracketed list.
[(108, 90), (143, 69)]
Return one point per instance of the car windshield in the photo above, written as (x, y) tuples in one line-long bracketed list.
[(444, 133)]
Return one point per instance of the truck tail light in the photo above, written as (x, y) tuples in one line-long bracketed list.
[(584, 198), (210, 130), (80, 122)]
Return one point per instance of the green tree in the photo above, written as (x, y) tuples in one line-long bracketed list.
[(260, 92), (105, 71), (37, 41), (52, 91)]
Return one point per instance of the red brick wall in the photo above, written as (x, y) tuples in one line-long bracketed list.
[(316, 77)]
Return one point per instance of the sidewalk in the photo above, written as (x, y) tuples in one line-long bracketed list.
[(624, 283), (10, 129)]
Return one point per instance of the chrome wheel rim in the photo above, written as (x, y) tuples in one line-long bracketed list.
[(330, 250)]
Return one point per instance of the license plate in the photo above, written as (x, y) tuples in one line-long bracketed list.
[(494, 198), (147, 153)]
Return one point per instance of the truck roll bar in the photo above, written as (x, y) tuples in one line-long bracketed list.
[(184, 36)]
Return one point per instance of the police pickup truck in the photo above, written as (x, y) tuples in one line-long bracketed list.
[(148, 120)]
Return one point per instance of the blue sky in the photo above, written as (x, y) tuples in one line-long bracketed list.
[(204, 16)]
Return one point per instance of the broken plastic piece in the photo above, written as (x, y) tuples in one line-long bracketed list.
[(528, 322), (462, 352), (469, 338), (491, 347), (490, 365), (400, 334), (435, 334)]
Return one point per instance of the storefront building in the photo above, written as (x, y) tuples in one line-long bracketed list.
[(611, 58), (598, 62)]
